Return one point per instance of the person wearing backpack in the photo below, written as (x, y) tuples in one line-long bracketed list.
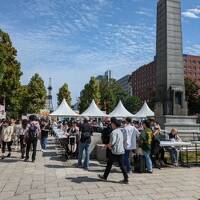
[(32, 136), (145, 143), (86, 133)]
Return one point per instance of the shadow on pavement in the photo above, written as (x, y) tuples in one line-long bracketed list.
[(55, 166), (9, 160), (86, 179)]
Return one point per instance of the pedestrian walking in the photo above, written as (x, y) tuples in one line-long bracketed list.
[(117, 151), (86, 133), (32, 136), (22, 134), (7, 138), (130, 137)]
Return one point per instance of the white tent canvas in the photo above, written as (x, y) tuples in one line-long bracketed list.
[(64, 110), (93, 111), (120, 111), (144, 112)]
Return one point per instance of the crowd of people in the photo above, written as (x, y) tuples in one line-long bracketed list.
[(24, 134), (122, 140)]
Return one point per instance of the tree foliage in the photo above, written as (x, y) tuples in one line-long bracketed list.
[(10, 73), (111, 93), (132, 103), (91, 91), (107, 94), (36, 94), (64, 93), (192, 96)]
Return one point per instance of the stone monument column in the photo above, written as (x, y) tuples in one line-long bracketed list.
[(170, 89)]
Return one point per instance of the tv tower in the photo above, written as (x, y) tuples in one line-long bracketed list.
[(49, 97)]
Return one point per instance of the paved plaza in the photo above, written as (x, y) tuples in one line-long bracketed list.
[(51, 178)]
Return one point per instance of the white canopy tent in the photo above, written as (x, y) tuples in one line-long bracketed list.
[(144, 112), (93, 111), (120, 111), (64, 110)]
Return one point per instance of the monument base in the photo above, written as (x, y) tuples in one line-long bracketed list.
[(186, 125)]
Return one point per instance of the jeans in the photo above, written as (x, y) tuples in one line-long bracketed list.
[(119, 160), (43, 142), (148, 160), (22, 145), (127, 161), (28, 146), (84, 147), (174, 155), (9, 144)]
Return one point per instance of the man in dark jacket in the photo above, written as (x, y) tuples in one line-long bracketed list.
[(105, 136), (86, 133), (32, 136)]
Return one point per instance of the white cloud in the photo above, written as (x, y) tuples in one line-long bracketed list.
[(193, 49), (192, 13), (145, 12), (51, 47)]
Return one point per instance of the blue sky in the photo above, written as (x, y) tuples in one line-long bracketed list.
[(71, 40)]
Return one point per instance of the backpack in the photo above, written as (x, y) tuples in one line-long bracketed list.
[(32, 132)]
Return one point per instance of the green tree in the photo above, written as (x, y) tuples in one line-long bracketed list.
[(90, 92), (64, 93), (23, 100), (36, 94), (132, 103), (10, 73), (111, 92), (192, 96)]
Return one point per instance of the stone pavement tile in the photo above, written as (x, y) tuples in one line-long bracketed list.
[(22, 189), (58, 189), (20, 197), (90, 196), (73, 192), (53, 195), (138, 197), (113, 198), (10, 188), (90, 185), (39, 196), (188, 194), (118, 194), (140, 191), (166, 188), (51, 185), (6, 195), (63, 198), (100, 190), (159, 196), (34, 191), (51, 179)]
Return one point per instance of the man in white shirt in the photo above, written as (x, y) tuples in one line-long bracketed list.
[(130, 136)]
